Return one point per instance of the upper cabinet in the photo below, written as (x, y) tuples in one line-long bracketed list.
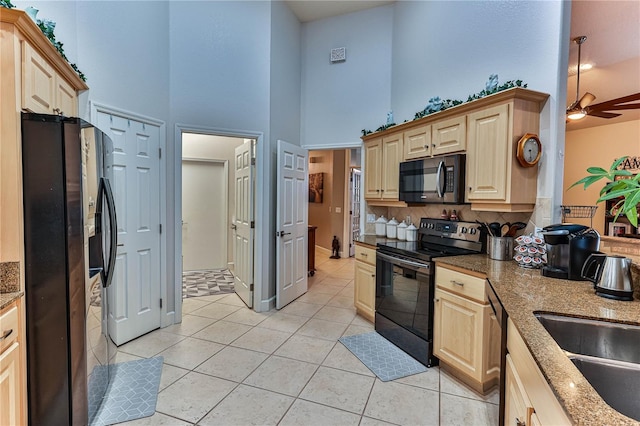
[(382, 168), (35, 78), (449, 135), (487, 130), (43, 89), (495, 179), (440, 137)]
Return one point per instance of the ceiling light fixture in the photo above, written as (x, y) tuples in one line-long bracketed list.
[(577, 110), (576, 113)]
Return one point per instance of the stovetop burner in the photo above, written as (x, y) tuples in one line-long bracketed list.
[(437, 238)]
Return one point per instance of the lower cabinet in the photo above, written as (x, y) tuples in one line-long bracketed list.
[(466, 339), (529, 400), (11, 380), (365, 282)]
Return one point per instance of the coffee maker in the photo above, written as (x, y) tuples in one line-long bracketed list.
[(568, 247)]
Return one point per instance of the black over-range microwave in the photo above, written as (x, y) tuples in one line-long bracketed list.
[(433, 180)]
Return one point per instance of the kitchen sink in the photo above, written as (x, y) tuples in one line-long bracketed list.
[(604, 353), (600, 339), (618, 383)]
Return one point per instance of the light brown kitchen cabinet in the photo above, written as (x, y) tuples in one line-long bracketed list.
[(417, 143), (36, 78), (44, 90), (486, 129), (528, 398), (495, 179), (11, 370), (465, 338), (365, 281), (440, 137), (382, 168), (449, 135)]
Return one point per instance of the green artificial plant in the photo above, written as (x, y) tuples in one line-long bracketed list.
[(622, 184)]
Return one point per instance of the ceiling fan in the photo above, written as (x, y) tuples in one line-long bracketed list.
[(582, 106)]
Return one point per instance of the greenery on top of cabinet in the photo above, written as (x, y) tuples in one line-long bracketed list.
[(435, 104)]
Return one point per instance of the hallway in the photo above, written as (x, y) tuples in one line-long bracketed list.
[(228, 365)]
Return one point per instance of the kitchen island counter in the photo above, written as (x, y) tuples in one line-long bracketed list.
[(525, 291)]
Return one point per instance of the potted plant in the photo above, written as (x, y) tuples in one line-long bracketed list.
[(621, 184)]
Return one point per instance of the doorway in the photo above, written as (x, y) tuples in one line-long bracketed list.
[(204, 214), (335, 211), (209, 203)]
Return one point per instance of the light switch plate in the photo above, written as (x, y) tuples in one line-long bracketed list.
[(371, 217), (338, 209)]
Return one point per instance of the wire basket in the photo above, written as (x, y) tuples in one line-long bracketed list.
[(578, 212)]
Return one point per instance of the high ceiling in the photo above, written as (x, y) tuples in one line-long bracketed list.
[(312, 10), (613, 46)]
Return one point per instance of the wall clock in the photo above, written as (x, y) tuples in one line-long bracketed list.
[(529, 150)]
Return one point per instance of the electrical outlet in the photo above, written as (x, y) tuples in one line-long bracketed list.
[(371, 218), (537, 232)]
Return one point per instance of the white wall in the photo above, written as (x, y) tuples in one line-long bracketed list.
[(234, 65), (445, 49), (341, 99)]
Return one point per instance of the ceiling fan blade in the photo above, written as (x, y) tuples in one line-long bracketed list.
[(602, 114), (617, 102), (586, 99)]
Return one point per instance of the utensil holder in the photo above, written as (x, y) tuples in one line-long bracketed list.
[(500, 248)]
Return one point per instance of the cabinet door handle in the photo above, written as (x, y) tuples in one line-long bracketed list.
[(519, 422), (437, 299), (457, 283), (6, 334), (433, 145), (58, 111), (373, 275)]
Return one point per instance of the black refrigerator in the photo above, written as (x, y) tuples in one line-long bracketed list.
[(67, 337)]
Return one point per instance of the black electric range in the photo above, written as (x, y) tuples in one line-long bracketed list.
[(405, 282)]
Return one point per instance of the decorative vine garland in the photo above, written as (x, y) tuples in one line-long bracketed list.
[(47, 26), (435, 104)]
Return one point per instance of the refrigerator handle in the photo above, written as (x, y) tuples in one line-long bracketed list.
[(113, 227)]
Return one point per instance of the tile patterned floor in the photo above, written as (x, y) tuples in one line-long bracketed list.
[(228, 365), (206, 282)]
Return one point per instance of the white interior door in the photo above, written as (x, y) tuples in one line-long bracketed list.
[(291, 223), (134, 294), (204, 214), (244, 223)]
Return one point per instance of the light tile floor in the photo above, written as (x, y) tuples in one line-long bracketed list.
[(228, 365)]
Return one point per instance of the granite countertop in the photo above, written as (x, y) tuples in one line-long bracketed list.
[(373, 240), (7, 298), (524, 291)]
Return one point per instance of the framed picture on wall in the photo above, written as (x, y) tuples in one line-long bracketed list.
[(315, 187)]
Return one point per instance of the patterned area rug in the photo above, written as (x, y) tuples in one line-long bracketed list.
[(207, 282), (382, 357), (130, 393), (194, 284)]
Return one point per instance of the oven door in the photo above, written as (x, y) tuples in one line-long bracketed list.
[(404, 304)]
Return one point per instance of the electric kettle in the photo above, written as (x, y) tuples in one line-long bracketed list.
[(610, 274)]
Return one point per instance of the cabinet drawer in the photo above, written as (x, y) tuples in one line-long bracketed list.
[(462, 284), (366, 254), (9, 327)]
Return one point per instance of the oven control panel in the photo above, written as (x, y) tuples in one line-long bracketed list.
[(466, 231)]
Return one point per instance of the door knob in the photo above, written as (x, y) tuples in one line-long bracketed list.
[(281, 234), (233, 226)]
